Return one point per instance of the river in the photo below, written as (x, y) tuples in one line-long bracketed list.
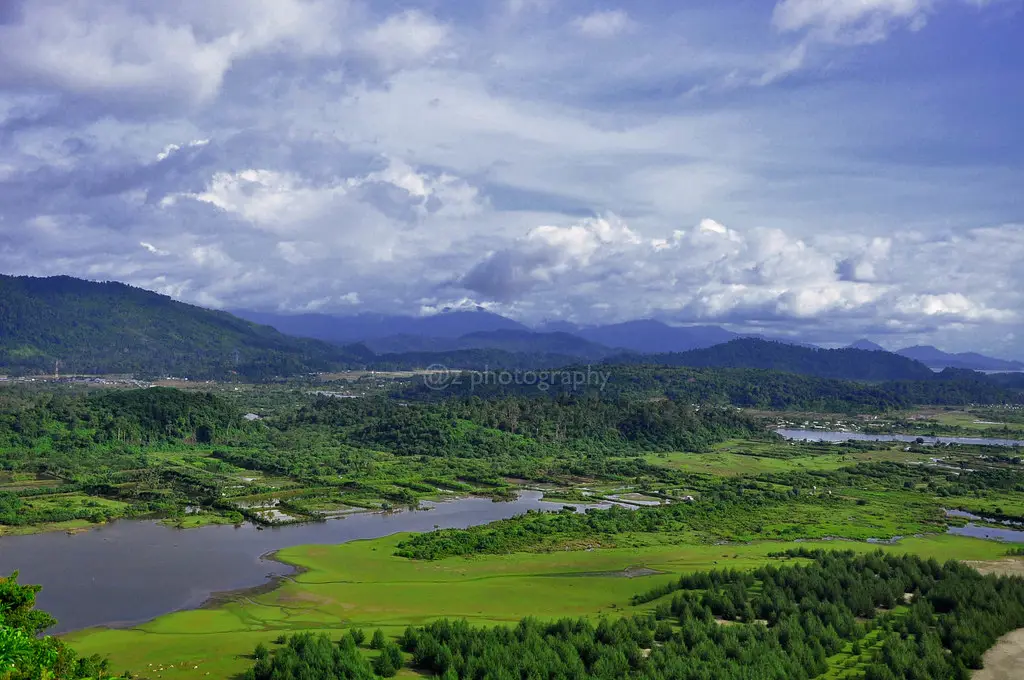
[(832, 436), (131, 571)]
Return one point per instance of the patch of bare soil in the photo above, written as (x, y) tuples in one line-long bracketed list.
[(999, 567), (1005, 661)]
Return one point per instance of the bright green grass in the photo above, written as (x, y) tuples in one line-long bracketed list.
[(731, 463), (1009, 503), (967, 420), (73, 525), (361, 583)]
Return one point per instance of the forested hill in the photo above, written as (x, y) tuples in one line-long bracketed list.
[(743, 387), (844, 364), (114, 328)]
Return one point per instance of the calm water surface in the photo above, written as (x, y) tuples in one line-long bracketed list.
[(1010, 535), (132, 571), (827, 436)]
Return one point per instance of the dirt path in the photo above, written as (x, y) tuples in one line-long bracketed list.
[(1005, 661)]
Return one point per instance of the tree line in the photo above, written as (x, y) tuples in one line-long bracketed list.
[(755, 388)]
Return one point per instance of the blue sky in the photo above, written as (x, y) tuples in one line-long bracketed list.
[(832, 169)]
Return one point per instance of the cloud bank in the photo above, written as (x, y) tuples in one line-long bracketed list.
[(823, 169)]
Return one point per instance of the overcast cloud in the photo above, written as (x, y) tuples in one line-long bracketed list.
[(830, 169)]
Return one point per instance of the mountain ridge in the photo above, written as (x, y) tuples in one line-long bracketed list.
[(844, 364), (934, 357), (111, 327)]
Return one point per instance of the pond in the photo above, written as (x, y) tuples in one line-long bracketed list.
[(831, 436), (1015, 534), (132, 571)]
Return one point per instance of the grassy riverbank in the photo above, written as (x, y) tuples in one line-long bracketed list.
[(363, 584)]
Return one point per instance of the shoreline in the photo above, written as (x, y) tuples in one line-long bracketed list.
[(222, 597), (213, 600), (76, 527)]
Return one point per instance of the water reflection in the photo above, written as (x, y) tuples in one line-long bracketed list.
[(832, 436), (131, 571)]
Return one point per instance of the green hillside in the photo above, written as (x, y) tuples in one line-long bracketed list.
[(843, 364), (115, 328)]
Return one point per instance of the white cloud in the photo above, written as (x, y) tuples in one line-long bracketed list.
[(171, 148), (857, 21), (714, 273), (176, 52), (317, 154), (603, 24), (153, 249), (406, 38)]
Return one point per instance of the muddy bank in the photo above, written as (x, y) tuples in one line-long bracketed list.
[(273, 582)]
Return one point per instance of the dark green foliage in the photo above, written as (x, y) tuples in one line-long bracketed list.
[(844, 364), (389, 661), (748, 388), (306, 656), (378, 640), (475, 427), (114, 328), (804, 615), (24, 655), (92, 442)]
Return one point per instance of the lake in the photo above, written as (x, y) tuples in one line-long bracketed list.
[(832, 436), (131, 571)]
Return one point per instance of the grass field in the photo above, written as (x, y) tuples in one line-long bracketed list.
[(363, 584), (743, 458)]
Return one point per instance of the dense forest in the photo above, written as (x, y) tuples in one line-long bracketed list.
[(113, 328), (454, 427), (844, 364), (743, 387), (874, 616)]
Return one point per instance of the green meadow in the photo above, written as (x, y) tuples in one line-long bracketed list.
[(363, 584)]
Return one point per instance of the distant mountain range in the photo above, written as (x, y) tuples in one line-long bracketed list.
[(845, 364), (114, 328), (366, 327), (935, 358), (524, 341), (477, 329)]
